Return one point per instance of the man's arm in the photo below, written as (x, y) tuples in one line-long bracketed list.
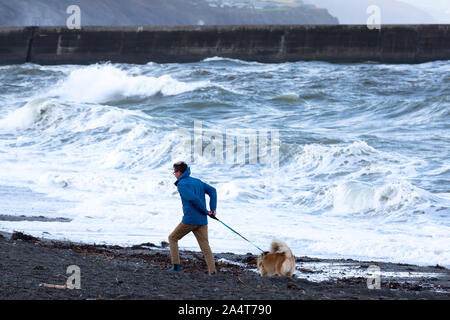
[(211, 192), (188, 195)]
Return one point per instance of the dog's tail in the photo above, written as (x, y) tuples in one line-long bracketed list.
[(279, 246)]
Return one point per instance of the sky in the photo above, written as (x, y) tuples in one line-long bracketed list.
[(392, 11), (439, 9)]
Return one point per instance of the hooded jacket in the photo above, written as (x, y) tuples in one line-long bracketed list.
[(192, 192)]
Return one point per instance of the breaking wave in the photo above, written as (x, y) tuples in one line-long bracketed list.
[(106, 83)]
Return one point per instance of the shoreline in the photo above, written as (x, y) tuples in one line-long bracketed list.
[(140, 272)]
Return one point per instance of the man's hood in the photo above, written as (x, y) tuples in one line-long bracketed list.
[(185, 174)]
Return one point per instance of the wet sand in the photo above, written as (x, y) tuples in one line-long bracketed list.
[(140, 272)]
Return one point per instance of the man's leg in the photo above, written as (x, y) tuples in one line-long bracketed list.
[(201, 233), (180, 231)]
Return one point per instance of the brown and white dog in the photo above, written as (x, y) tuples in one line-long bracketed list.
[(278, 261)]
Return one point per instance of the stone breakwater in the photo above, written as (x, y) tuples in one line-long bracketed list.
[(267, 43)]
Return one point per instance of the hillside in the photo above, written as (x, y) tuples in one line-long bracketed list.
[(392, 11), (154, 12)]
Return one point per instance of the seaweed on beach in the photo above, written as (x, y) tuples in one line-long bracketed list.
[(24, 237), (140, 272)]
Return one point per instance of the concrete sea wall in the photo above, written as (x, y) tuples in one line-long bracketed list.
[(268, 43)]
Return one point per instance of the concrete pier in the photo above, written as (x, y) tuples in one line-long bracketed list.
[(267, 43)]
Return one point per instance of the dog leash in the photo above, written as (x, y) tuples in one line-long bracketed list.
[(215, 218)]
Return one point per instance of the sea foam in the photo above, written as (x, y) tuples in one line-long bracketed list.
[(104, 83)]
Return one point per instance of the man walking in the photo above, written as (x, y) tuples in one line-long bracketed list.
[(192, 192)]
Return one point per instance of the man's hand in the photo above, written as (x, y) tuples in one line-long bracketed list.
[(212, 213)]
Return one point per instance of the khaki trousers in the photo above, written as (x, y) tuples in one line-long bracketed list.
[(201, 233)]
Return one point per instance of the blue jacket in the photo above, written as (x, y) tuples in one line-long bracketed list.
[(192, 192)]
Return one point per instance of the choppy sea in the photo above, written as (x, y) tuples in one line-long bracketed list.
[(360, 154)]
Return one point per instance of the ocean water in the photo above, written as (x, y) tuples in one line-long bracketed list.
[(362, 157)]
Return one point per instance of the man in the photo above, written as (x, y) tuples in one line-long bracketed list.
[(192, 192)]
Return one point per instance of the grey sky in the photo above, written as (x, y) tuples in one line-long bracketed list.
[(391, 11), (439, 9)]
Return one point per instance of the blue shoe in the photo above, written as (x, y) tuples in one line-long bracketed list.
[(213, 274), (176, 267)]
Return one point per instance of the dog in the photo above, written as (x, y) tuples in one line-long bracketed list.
[(278, 261)]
